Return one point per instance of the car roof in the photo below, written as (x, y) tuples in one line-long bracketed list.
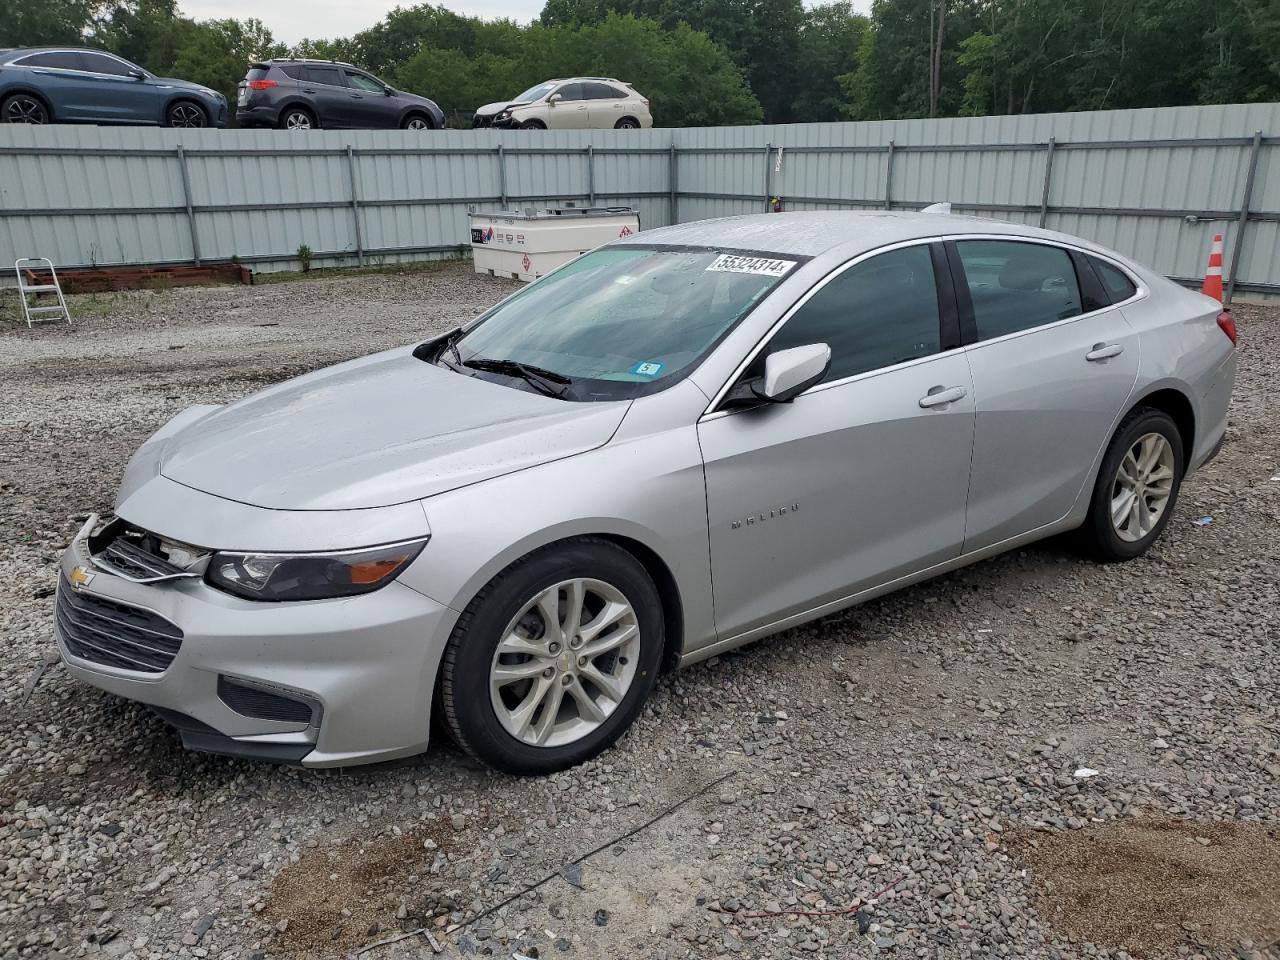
[(813, 233)]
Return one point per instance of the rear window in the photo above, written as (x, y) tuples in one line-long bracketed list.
[(257, 72), (1118, 284)]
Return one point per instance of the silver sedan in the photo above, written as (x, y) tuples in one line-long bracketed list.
[(674, 445)]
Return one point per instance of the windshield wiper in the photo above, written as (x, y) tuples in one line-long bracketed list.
[(548, 381)]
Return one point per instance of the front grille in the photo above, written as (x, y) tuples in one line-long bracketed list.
[(122, 556), (115, 634), (262, 704)]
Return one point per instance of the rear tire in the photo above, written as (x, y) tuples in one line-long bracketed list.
[(580, 629), (627, 123), (1137, 487), (24, 108), (297, 118), (185, 114)]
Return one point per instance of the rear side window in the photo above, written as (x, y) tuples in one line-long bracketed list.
[(877, 313), (602, 91), (328, 75), (58, 60), (1119, 286), (291, 70), (1017, 286)]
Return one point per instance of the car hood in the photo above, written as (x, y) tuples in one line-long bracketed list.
[(187, 85), (493, 109), (381, 430)]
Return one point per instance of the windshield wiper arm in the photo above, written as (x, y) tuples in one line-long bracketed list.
[(548, 381)]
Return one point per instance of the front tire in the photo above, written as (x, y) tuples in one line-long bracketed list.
[(553, 659), (24, 108), (416, 122), (185, 114), (533, 125), (1137, 486)]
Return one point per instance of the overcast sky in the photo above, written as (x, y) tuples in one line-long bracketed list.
[(292, 20)]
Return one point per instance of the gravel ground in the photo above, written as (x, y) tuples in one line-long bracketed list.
[(904, 771)]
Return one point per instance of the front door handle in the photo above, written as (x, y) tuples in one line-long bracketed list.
[(1102, 351), (940, 396)]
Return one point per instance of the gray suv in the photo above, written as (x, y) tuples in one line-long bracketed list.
[(304, 94)]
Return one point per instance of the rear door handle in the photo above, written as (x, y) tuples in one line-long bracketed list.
[(1102, 351), (940, 396)]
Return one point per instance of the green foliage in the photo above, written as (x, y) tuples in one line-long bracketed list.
[(218, 51), (304, 257)]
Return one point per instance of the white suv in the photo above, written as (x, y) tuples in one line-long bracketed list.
[(574, 103)]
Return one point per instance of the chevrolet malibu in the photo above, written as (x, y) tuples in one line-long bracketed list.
[(676, 444)]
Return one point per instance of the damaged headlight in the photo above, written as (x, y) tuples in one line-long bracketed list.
[(504, 115), (310, 576)]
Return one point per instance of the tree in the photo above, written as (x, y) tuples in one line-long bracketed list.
[(217, 53), (33, 23), (830, 40)]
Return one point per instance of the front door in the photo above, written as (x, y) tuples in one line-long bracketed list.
[(116, 94), (369, 105), (570, 111), (1052, 371), (863, 478), (328, 95)]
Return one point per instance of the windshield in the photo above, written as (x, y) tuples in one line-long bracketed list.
[(534, 93), (623, 321)]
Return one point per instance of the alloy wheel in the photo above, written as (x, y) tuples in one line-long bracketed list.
[(417, 123), (25, 110), (565, 662), (186, 115), (1142, 487), (297, 121)]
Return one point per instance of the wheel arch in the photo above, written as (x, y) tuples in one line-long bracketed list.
[(1175, 402), (635, 120), (299, 104), (184, 97), (410, 112), (31, 92)]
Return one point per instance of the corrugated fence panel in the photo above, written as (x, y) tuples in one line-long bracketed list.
[(1126, 178)]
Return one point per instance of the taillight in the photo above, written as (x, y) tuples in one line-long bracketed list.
[(1228, 325), (262, 84)]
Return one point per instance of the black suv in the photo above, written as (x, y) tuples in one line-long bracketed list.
[(303, 94)]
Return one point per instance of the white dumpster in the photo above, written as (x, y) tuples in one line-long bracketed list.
[(526, 244)]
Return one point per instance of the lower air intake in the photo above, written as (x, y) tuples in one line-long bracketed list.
[(262, 704)]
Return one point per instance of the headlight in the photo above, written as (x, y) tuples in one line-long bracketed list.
[(504, 115), (309, 576)]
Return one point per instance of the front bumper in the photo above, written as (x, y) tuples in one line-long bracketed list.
[(367, 664)]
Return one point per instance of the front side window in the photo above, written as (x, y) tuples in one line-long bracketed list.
[(55, 60), (331, 76), (571, 91), (623, 321), (875, 314), (534, 93), (362, 82), (99, 63), (1017, 286)]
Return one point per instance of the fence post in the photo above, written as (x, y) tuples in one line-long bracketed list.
[(888, 178), (591, 174), (671, 181), (768, 175), (502, 175), (186, 195), (1048, 173), (355, 204), (1244, 215)]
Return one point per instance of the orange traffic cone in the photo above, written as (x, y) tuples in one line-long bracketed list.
[(1213, 274)]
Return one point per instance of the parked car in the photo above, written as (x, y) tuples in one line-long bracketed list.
[(304, 94), (570, 104), (681, 442), (79, 85)]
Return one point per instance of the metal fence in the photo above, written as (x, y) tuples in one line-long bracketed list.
[(1154, 184)]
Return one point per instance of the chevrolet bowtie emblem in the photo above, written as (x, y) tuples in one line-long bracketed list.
[(80, 577)]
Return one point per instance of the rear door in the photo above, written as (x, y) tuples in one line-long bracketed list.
[(368, 103), (1053, 366), (61, 77), (325, 91), (116, 94), (860, 480), (604, 104)]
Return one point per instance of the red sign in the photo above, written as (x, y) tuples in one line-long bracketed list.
[(624, 232), (526, 263)]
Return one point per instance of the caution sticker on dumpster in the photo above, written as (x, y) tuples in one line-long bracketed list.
[(762, 266)]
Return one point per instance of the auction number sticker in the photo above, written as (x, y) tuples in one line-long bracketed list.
[(763, 266)]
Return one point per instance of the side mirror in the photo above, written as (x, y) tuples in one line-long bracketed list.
[(137, 74), (388, 91), (554, 99), (789, 373)]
